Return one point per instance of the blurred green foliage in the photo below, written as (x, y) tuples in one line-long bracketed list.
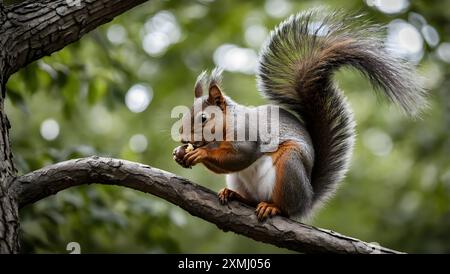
[(397, 192)]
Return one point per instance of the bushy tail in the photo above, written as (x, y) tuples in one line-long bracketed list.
[(296, 69)]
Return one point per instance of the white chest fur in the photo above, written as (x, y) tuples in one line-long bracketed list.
[(258, 179)]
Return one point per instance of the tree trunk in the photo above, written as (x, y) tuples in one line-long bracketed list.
[(9, 222), (9, 216)]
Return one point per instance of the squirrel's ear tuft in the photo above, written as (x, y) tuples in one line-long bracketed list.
[(199, 85), (216, 97), (215, 94)]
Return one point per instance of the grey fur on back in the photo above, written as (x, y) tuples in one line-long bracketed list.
[(296, 68)]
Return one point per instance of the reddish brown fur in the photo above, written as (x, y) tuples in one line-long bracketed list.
[(214, 157), (265, 210), (278, 158)]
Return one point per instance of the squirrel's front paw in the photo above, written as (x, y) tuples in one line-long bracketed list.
[(179, 153), (194, 157)]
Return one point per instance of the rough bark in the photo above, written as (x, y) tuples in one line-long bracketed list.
[(197, 200), (34, 29), (9, 220)]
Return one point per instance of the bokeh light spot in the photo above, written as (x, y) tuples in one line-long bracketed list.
[(138, 98), (389, 6), (430, 35), (160, 31), (116, 34), (277, 8), (378, 142), (138, 143), (443, 52), (404, 40), (255, 35), (49, 129), (233, 58)]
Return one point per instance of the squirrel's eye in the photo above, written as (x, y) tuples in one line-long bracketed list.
[(204, 117)]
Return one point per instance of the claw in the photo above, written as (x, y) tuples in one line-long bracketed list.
[(225, 195), (194, 157), (265, 210)]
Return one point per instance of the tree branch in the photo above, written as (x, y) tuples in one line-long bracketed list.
[(197, 200), (36, 28)]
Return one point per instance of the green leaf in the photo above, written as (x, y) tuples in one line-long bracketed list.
[(97, 90)]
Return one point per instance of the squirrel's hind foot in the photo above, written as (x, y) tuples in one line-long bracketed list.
[(226, 195), (265, 210)]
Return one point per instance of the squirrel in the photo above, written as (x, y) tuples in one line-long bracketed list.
[(316, 124)]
